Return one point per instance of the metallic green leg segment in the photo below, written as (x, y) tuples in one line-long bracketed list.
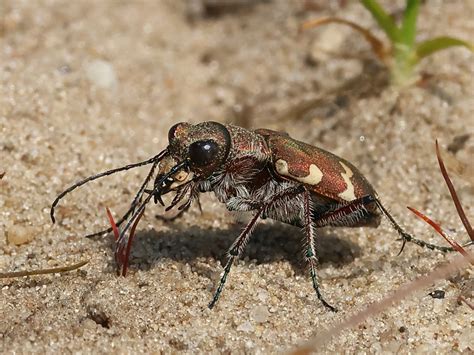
[(222, 282), (314, 279)]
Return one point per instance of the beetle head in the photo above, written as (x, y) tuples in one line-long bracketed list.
[(204, 146)]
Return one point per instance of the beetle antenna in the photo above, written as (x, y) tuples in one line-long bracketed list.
[(134, 203), (156, 158)]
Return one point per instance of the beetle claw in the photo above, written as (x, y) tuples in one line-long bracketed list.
[(404, 241), (159, 199)]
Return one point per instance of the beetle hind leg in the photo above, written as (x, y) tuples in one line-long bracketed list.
[(361, 212), (310, 253), (407, 237)]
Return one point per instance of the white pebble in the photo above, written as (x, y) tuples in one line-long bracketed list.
[(245, 327), (260, 314), (262, 295), (101, 74)]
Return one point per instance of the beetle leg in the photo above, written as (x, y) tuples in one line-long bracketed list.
[(193, 196), (310, 254), (234, 252), (358, 206), (198, 202), (172, 218), (407, 237), (348, 213), (239, 244), (179, 196)]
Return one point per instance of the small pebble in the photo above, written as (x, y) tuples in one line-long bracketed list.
[(19, 235), (245, 327), (260, 314), (262, 295), (101, 74)]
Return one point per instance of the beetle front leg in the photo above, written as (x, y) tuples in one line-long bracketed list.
[(310, 254), (234, 252), (180, 214), (193, 196)]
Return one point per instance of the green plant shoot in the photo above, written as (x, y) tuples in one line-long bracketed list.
[(403, 53)]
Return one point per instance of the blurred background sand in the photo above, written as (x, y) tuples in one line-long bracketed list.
[(86, 86)]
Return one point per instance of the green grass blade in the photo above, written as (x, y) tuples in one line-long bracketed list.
[(430, 46), (408, 28), (383, 19)]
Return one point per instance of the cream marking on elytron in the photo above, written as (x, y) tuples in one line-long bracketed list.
[(313, 178), (348, 194)]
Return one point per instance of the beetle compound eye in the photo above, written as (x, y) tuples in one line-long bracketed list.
[(201, 153)]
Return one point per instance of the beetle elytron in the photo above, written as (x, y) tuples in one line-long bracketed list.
[(262, 171)]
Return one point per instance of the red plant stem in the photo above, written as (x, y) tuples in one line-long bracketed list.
[(129, 243), (112, 224), (454, 195), (440, 231)]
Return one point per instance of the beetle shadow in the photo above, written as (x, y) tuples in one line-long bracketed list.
[(269, 243)]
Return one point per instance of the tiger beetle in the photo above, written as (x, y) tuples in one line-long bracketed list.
[(265, 172)]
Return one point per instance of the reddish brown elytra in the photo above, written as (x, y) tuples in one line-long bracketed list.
[(263, 171)]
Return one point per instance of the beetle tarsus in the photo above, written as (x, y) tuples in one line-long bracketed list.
[(314, 279), (404, 242), (172, 218), (218, 292), (407, 237)]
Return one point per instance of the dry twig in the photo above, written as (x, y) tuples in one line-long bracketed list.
[(53, 270)]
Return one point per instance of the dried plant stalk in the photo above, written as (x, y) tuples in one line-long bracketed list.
[(443, 272), (437, 227), (377, 45), (454, 195), (53, 270)]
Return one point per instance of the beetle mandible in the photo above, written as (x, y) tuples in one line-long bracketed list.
[(262, 171)]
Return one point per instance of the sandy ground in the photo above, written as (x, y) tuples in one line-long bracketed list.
[(89, 85)]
